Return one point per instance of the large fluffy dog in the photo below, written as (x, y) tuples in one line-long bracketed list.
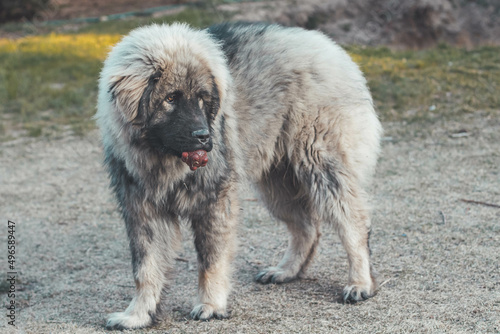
[(284, 108)]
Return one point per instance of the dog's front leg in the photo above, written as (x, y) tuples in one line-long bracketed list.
[(215, 238), (153, 240)]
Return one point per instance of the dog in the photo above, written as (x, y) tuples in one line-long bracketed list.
[(187, 116)]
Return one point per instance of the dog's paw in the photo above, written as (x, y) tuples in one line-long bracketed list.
[(207, 312), (275, 275), (124, 320), (354, 293)]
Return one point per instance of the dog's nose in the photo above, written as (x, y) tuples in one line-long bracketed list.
[(202, 135)]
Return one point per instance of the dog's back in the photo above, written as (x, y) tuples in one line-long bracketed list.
[(293, 87)]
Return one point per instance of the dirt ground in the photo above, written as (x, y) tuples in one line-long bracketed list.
[(438, 257)]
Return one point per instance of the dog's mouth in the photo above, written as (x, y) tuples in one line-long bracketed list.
[(195, 159)]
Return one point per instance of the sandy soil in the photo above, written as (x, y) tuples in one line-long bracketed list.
[(437, 257)]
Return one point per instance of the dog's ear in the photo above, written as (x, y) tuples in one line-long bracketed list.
[(132, 95), (214, 104), (143, 110)]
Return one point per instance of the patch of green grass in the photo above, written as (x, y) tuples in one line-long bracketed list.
[(431, 84), (198, 16), (50, 80), (48, 83)]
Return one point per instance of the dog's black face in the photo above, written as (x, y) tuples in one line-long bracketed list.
[(181, 125), (177, 117)]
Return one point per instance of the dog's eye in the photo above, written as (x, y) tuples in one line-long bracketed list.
[(170, 99)]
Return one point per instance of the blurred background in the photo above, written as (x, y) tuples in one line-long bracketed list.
[(424, 59), (433, 67)]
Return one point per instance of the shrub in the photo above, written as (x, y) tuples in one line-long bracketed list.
[(16, 10)]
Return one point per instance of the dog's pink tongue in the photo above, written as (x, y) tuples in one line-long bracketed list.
[(195, 159)]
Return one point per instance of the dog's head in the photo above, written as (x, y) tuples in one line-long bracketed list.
[(168, 84), (177, 108)]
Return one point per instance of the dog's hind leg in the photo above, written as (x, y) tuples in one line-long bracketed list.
[(286, 200), (339, 199)]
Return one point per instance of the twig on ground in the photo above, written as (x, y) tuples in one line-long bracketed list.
[(480, 203), (385, 282), (309, 279), (460, 134), (443, 217)]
